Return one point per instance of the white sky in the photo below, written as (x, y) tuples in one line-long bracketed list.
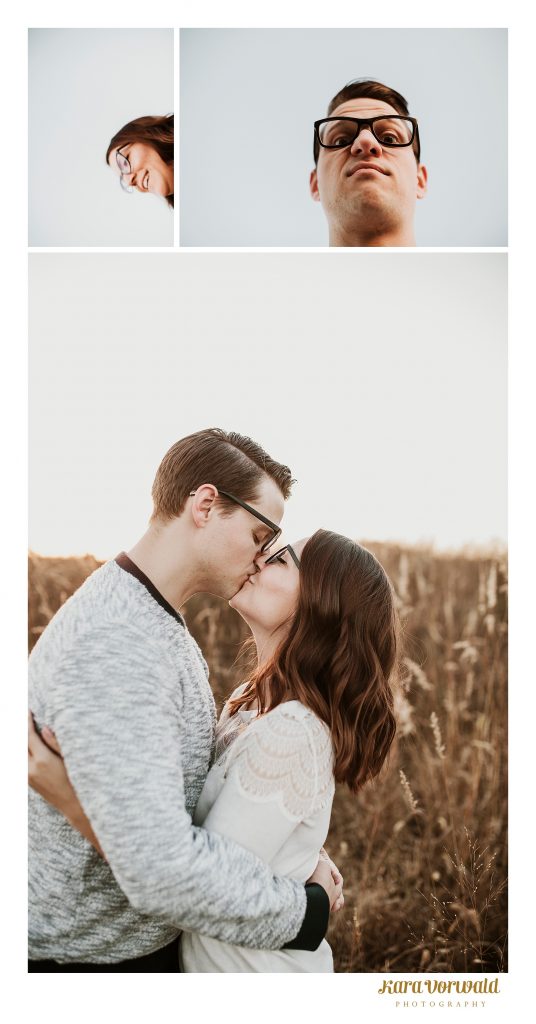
[(379, 378)]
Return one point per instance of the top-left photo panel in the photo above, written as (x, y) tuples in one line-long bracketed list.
[(101, 137)]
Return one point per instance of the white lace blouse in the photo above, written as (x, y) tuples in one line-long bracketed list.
[(270, 789)]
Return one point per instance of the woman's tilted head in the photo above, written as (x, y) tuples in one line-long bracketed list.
[(268, 599), (338, 647), (142, 155)]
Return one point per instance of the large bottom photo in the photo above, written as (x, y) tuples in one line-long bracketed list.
[(268, 613)]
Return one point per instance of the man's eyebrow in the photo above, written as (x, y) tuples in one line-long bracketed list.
[(380, 113)]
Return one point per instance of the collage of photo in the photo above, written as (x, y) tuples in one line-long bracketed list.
[(268, 501)]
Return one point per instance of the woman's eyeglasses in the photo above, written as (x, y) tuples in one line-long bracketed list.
[(277, 556), (124, 168)]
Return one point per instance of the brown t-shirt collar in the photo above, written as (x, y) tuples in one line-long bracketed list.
[(128, 565)]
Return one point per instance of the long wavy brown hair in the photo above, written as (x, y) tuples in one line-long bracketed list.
[(157, 132), (339, 655)]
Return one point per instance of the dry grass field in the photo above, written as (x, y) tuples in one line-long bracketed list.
[(423, 850)]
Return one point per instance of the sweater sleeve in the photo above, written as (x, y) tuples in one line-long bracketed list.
[(118, 731)]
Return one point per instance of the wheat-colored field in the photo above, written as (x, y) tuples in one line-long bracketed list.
[(423, 850)]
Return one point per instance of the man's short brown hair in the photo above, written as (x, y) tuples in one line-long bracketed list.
[(370, 89), (213, 456)]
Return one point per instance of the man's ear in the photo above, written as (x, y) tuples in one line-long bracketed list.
[(422, 181), (203, 503), (313, 186)]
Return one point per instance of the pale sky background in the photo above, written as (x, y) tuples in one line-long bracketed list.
[(83, 86), (249, 98), (380, 381)]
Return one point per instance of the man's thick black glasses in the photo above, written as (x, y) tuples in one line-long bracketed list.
[(258, 515), (276, 557), (393, 130)]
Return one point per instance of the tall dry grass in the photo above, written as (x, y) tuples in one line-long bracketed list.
[(423, 850)]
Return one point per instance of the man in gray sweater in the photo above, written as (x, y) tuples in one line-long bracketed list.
[(124, 686)]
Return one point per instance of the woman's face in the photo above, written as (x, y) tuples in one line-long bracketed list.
[(268, 599), (148, 172)]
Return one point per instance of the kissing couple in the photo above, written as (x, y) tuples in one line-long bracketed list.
[(158, 839)]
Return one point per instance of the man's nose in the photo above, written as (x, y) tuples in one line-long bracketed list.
[(366, 144)]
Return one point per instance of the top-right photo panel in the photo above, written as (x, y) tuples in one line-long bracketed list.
[(343, 137)]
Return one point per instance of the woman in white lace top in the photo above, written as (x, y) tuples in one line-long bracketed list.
[(316, 711), (270, 790), (324, 624)]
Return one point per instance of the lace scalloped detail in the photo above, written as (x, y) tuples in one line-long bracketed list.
[(285, 755)]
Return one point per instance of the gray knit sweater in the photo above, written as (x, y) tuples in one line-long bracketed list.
[(125, 688)]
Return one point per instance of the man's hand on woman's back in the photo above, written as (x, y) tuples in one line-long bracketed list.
[(329, 877)]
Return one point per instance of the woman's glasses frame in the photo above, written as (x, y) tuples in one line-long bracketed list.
[(124, 185), (277, 555)]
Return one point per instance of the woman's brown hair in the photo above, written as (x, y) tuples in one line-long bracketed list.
[(339, 655), (157, 132)]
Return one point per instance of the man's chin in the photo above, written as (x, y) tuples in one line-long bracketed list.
[(371, 189), (370, 207)]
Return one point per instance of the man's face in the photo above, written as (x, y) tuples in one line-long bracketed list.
[(367, 185), (233, 543)]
